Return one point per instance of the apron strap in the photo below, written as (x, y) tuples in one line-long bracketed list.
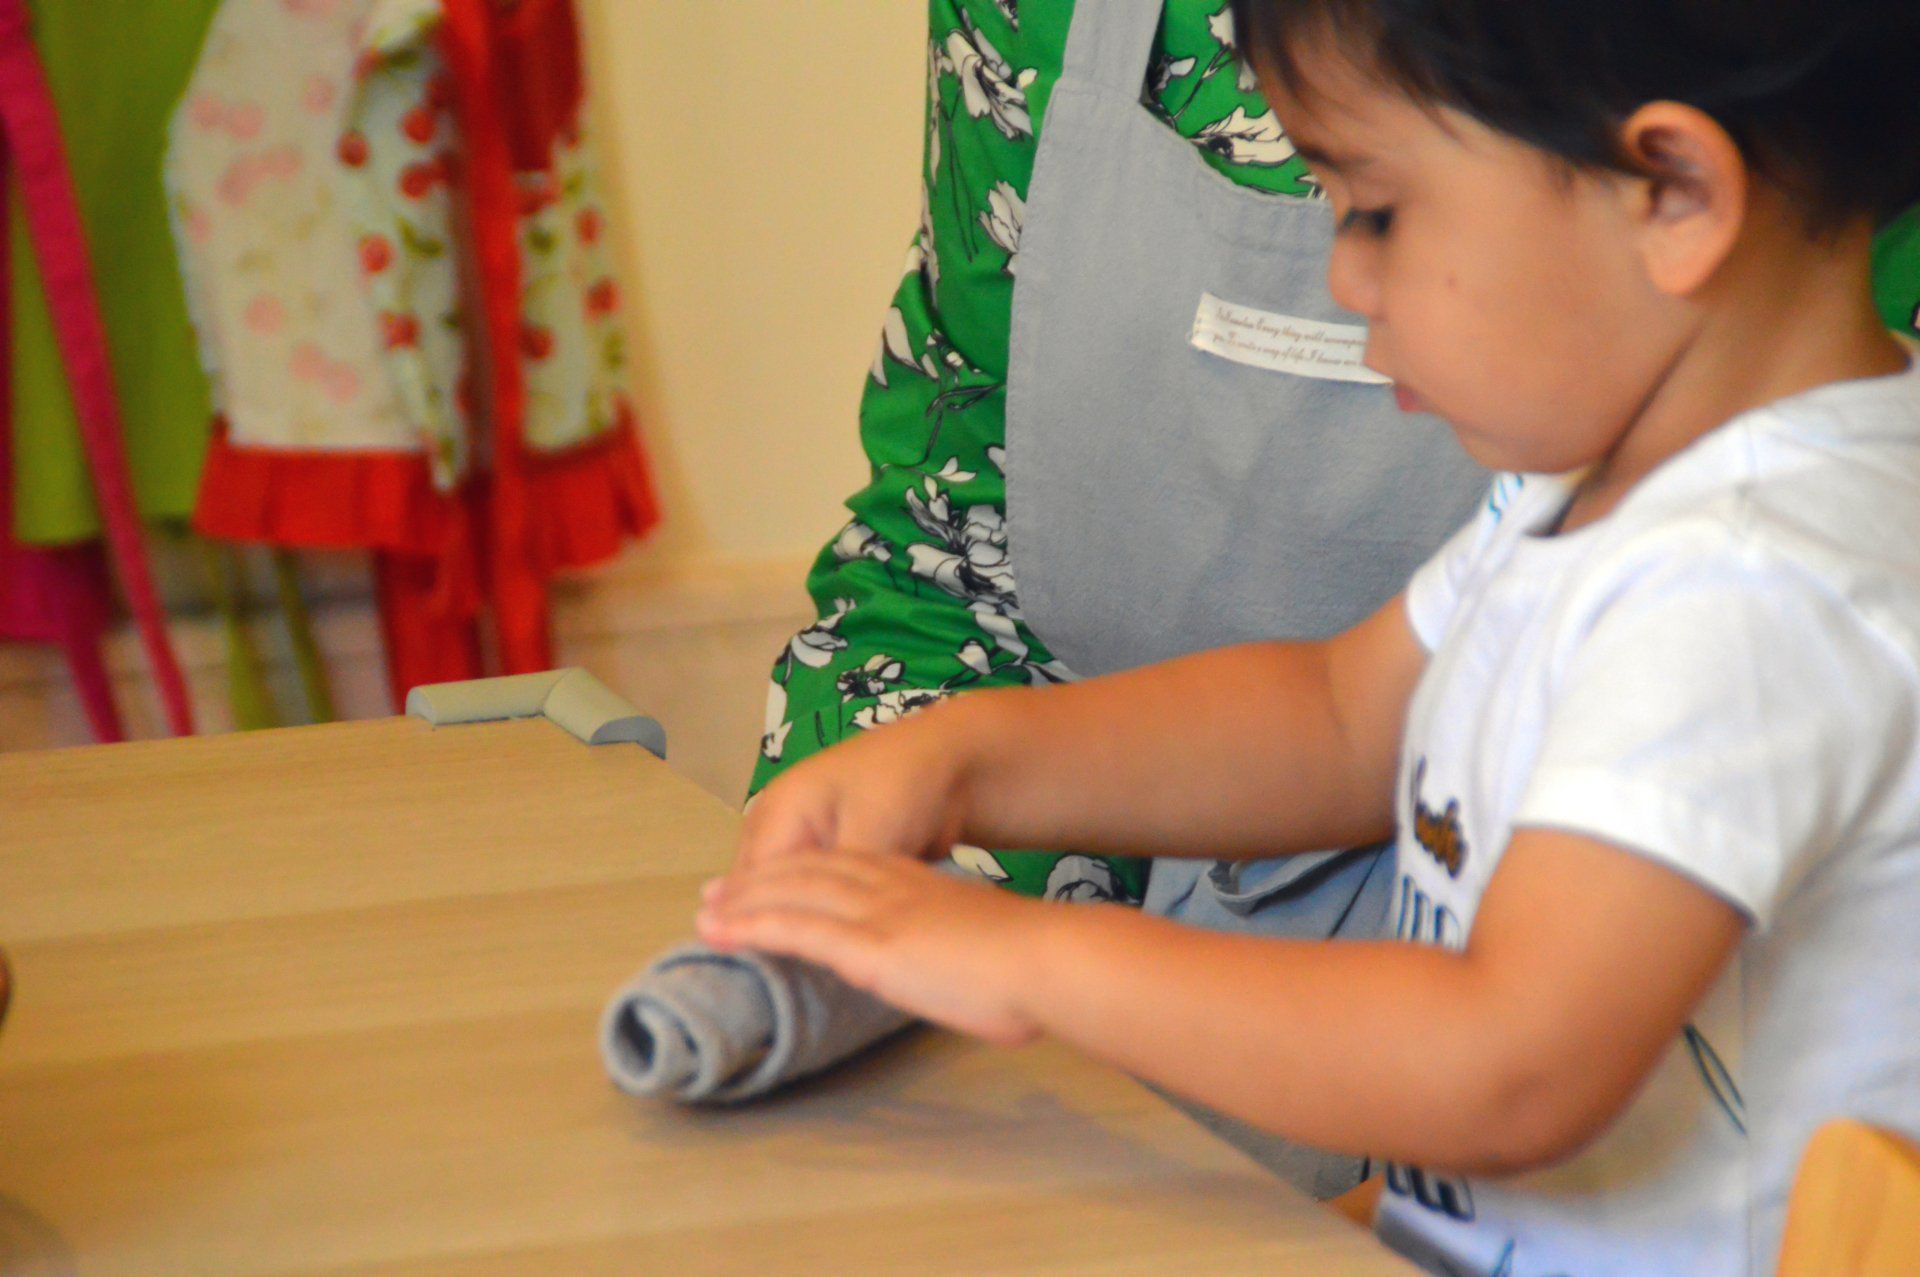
[(472, 43), (1110, 43), (253, 707), (55, 594), (32, 127), (306, 652)]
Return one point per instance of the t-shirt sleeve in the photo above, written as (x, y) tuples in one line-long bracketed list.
[(1434, 589), (1734, 722)]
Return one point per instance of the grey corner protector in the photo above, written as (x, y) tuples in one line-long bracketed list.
[(573, 698)]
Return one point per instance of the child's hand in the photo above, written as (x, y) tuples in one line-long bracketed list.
[(897, 789), (950, 950)]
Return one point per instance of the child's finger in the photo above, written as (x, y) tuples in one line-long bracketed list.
[(873, 868), (839, 886), (848, 948), (778, 826)]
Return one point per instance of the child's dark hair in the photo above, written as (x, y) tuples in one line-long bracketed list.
[(1821, 96)]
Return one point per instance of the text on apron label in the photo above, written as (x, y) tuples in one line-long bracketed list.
[(1282, 343)]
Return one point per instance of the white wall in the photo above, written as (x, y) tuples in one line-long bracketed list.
[(764, 158)]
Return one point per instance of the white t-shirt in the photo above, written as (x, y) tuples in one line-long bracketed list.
[(1720, 676)]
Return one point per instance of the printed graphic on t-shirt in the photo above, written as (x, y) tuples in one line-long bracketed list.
[(1438, 833), (1442, 1194), (1423, 919), (1419, 916)]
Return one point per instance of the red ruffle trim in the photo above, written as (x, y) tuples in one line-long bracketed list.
[(582, 503), (586, 501), (320, 499)]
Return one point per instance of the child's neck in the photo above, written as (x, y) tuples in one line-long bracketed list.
[(1778, 321)]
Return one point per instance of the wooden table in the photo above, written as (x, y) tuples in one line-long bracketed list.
[(323, 1001)]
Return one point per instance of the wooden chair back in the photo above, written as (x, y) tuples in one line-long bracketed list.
[(1855, 1210)]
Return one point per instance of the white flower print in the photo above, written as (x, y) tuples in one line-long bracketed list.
[(1009, 9), (814, 646), (970, 562), (997, 457), (1082, 879), (774, 743), (897, 346), (922, 254), (937, 65), (1006, 211), (979, 862), (1220, 26), (893, 706), (858, 541), (989, 87), (952, 472), (1244, 139), (973, 655), (870, 679), (1002, 630), (1165, 71), (1005, 633)]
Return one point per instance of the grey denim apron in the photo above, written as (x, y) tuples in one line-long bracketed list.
[(1163, 499)]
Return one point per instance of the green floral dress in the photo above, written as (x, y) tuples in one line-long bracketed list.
[(917, 597)]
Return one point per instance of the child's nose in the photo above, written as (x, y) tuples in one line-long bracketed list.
[(1351, 277)]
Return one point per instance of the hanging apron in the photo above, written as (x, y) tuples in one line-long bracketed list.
[(1163, 498)]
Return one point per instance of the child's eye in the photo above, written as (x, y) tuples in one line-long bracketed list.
[(1374, 222)]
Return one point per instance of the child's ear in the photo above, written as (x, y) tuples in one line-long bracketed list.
[(1690, 199)]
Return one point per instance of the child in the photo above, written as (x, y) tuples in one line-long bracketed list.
[(1648, 727)]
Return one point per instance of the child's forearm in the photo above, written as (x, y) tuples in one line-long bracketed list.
[(1394, 1051), (1509, 1054), (1249, 751)]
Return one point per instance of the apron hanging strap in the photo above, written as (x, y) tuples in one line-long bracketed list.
[(306, 652), (1110, 43), (49, 594), (59, 239), (253, 707)]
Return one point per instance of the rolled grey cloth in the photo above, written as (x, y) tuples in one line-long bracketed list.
[(705, 1027)]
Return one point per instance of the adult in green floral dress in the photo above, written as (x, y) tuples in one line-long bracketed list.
[(917, 595)]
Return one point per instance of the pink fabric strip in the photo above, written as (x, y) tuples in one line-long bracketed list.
[(53, 218)]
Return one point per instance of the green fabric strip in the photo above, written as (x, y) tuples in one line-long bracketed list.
[(306, 653), (252, 703), (117, 68)]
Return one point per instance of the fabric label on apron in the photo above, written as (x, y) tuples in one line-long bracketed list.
[(1282, 343)]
